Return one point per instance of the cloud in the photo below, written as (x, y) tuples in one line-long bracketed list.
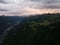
[(48, 4), (25, 7), (53, 4), (3, 10), (2, 1)]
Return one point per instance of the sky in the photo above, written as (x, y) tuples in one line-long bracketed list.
[(28, 7)]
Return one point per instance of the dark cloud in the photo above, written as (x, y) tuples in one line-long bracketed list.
[(48, 4), (52, 7), (36, 0), (53, 4), (50, 1), (3, 10), (2, 1)]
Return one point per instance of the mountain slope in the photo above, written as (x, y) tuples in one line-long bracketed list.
[(8, 21), (35, 30)]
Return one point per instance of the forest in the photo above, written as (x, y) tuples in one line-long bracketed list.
[(35, 30)]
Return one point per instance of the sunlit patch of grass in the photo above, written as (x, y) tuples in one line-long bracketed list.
[(45, 22)]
